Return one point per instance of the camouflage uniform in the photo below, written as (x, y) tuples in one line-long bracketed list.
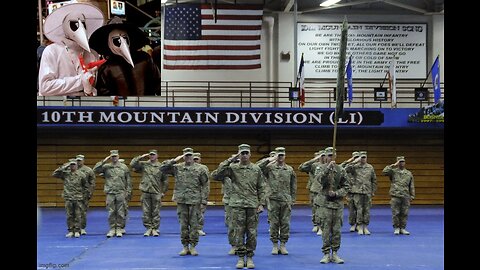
[(310, 167), (118, 188), (332, 179), (189, 182), (226, 190), (267, 201), (74, 184), (352, 211), (282, 183), (88, 193), (402, 191), (363, 187), (154, 185), (247, 194), (205, 193)]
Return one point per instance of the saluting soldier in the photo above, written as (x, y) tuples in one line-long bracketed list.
[(402, 191), (88, 192), (154, 185), (197, 158), (247, 200), (190, 178), (352, 211)]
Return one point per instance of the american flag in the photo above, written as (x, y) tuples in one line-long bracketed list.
[(195, 39)]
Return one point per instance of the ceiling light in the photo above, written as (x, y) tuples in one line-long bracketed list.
[(164, 1), (329, 3)]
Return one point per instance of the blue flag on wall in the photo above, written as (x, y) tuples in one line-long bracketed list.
[(436, 80), (349, 80)]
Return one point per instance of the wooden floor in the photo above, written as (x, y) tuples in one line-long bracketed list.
[(423, 150)]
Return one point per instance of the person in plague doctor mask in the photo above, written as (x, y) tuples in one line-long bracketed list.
[(128, 71), (61, 72)]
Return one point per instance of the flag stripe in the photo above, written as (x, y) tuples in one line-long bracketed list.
[(210, 66), (230, 22), (222, 37), (209, 11), (231, 27), (213, 62), (172, 49), (255, 33), (211, 57), (212, 43), (213, 52), (242, 7)]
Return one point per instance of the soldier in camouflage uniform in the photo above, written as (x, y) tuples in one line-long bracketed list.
[(363, 187), (334, 183), (282, 182), (118, 188), (270, 155), (74, 185), (197, 158), (352, 211), (310, 167), (154, 185), (87, 195), (190, 178), (402, 191), (127, 198), (247, 200)]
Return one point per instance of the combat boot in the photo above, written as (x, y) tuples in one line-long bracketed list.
[(326, 258), (83, 232), (240, 263), (283, 249), (111, 233), (77, 234), (365, 230), (232, 251), (193, 251), (201, 233), (184, 251), (360, 229), (353, 228), (275, 249), (148, 232), (122, 230), (403, 231), (119, 233), (396, 231), (69, 235), (335, 258), (155, 232), (315, 228), (319, 232), (250, 264)]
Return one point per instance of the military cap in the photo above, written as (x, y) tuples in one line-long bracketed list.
[(72, 161), (321, 152), (400, 158), (316, 154), (80, 157), (197, 155), (329, 151), (152, 152), (280, 150), (272, 153), (244, 147), (113, 152), (363, 154), (355, 154), (188, 151)]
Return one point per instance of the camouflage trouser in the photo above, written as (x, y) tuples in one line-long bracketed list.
[(279, 213), (201, 217), (228, 223), (151, 203), (73, 209), (126, 211), (362, 202), (83, 223), (188, 219), (318, 200), (332, 225), (352, 211), (245, 223), (400, 208), (314, 208), (116, 210)]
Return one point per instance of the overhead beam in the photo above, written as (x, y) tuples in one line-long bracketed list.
[(288, 6), (405, 6), (340, 5)]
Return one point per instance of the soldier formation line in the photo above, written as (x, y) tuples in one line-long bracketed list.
[(248, 188)]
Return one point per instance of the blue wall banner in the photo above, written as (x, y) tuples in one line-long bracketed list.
[(161, 117)]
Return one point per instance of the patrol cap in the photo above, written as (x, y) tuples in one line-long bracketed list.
[(329, 151), (280, 150), (363, 154), (113, 152), (197, 155), (316, 154), (321, 152), (272, 153), (80, 157), (72, 161), (244, 147), (152, 152), (188, 151), (400, 158), (355, 154)]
